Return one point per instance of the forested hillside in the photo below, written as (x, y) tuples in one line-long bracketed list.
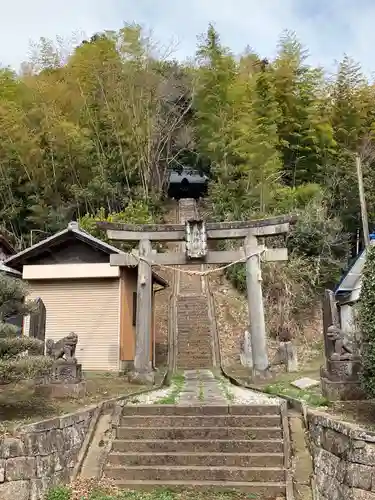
[(93, 134)]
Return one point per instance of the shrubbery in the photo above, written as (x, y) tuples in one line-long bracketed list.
[(366, 316), (18, 359), (317, 247)]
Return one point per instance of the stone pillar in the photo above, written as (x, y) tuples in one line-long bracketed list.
[(142, 364), (256, 310)]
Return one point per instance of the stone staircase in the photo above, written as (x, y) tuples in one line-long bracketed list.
[(194, 345), (200, 447), (193, 329)]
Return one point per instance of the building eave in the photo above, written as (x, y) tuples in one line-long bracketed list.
[(19, 258)]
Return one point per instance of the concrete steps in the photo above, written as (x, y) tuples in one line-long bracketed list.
[(200, 447), (209, 433), (261, 491), (195, 473), (188, 411), (202, 421), (181, 458), (197, 445)]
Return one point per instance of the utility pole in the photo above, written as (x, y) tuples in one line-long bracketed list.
[(366, 233)]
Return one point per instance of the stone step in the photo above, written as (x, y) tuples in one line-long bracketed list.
[(181, 433), (198, 445), (255, 490), (189, 351), (186, 332), (202, 421), (201, 362), (191, 473), (197, 366), (208, 460), (202, 336), (215, 410), (195, 345)]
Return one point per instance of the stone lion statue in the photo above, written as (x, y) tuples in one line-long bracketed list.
[(343, 349), (64, 348)]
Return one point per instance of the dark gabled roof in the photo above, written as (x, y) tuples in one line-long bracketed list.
[(72, 229), (8, 270), (351, 276)]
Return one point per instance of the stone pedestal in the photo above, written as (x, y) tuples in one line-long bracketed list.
[(341, 391), (65, 381), (66, 371), (340, 380), (61, 390), (343, 370)]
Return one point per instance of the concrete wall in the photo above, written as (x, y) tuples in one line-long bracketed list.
[(42, 455), (343, 458), (69, 271)]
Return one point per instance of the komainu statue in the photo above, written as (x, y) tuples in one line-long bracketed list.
[(63, 349), (342, 350)]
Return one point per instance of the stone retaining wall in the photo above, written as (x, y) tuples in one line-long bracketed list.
[(41, 455), (343, 458)]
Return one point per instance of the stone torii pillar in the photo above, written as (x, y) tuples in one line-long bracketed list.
[(255, 307), (143, 372)]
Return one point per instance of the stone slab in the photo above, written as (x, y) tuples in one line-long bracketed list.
[(19, 490), (305, 383)]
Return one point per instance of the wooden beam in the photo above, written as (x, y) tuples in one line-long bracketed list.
[(180, 259), (271, 221), (237, 233), (215, 230), (212, 234), (120, 226), (119, 235)]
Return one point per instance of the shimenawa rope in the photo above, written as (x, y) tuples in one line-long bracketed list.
[(259, 253)]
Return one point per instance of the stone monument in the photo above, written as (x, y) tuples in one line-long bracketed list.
[(246, 355), (340, 375), (286, 355), (66, 376)]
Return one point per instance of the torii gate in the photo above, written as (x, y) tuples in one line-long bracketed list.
[(196, 234)]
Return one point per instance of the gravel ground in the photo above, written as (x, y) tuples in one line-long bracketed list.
[(233, 394), (247, 396), (151, 397)]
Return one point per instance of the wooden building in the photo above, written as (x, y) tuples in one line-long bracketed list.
[(348, 291), (71, 272)]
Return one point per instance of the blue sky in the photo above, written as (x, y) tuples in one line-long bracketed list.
[(328, 28)]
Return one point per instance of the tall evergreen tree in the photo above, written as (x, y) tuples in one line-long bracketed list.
[(304, 129)]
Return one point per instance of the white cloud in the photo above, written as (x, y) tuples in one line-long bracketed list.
[(327, 29)]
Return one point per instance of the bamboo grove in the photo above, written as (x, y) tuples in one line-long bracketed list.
[(93, 132)]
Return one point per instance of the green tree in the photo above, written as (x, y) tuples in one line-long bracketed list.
[(306, 135), (367, 323)]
